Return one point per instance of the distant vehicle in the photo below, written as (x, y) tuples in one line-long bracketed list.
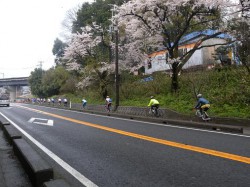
[(4, 100)]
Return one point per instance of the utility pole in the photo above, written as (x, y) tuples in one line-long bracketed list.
[(41, 65), (114, 27), (117, 78)]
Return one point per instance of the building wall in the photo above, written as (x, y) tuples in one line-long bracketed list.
[(158, 62), (195, 59)]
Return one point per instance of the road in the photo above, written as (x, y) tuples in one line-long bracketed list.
[(95, 150)]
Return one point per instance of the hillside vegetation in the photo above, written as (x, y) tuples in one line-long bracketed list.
[(228, 90)]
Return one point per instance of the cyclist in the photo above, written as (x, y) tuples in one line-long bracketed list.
[(65, 101), (59, 101), (153, 103), (108, 101), (84, 103), (202, 104)]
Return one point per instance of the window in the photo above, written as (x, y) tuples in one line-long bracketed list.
[(181, 52), (4, 97), (149, 64), (167, 58)]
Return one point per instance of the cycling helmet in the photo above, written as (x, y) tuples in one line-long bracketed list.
[(199, 95), (151, 97)]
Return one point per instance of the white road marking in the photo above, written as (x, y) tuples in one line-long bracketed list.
[(47, 122), (82, 179)]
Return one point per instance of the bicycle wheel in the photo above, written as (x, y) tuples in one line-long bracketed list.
[(198, 113), (159, 113), (205, 116), (106, 108), (149, 112)]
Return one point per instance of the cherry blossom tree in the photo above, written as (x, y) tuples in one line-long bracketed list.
[(86, 54), (155, 24), (245, 8), (81, 46)]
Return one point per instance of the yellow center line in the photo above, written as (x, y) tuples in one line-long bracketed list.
[(152, 139)]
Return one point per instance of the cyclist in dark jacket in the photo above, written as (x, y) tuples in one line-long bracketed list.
[(202, 104)]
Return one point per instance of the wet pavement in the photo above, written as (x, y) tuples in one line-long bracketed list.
[(12, 173)]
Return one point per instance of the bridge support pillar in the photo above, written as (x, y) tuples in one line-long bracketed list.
[(15, 91)]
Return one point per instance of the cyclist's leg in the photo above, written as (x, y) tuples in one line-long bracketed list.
[(109, 107), (205, 112), (199, 112), (153, 109), (157, 109), (204, 109)]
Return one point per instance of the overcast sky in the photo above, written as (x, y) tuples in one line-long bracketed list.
[(27, 33)]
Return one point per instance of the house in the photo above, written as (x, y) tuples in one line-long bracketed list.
[(158, 61)]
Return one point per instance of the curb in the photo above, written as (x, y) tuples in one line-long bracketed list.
[(11, 133), (38, 170)]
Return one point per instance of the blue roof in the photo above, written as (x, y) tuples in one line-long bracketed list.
[(196, 34)]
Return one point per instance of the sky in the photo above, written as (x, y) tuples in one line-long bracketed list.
[(27, 34)]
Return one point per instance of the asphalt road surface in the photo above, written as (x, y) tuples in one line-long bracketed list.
[(95, 150)]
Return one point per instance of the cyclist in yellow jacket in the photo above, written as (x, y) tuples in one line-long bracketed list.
[(153, 103)]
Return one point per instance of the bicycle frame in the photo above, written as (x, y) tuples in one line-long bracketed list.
[(154, 111), (108, 108), (204, 116)]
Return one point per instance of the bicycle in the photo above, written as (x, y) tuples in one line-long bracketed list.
[(108, 108), (154, 111), (204, 116)]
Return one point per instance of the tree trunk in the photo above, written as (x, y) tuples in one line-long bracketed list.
[(175, 84)]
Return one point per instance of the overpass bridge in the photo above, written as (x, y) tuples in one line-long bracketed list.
[(13, 85)]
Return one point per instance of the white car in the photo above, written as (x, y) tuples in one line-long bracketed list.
[(4, 100)]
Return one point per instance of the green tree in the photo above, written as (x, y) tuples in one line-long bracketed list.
[(58, 49), (98, 12), (240, 28), (35, 82), (244, 47), (54, 80), (221, 54)]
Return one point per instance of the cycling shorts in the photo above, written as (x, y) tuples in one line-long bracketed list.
[(205, 106)]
